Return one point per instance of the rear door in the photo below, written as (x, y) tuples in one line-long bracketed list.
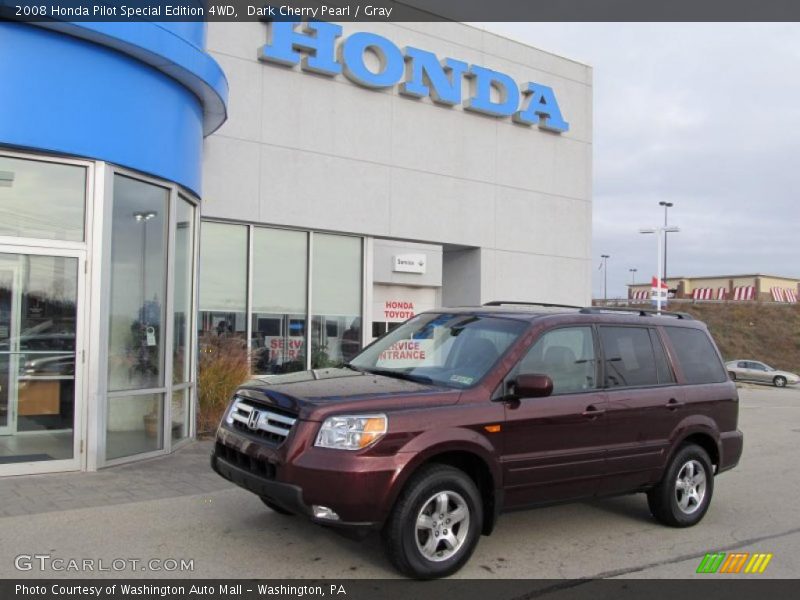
[(554, 446), (644, 405), (759, 372)]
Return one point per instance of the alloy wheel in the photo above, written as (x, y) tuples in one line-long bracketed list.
[(690, 486), (442, 526)]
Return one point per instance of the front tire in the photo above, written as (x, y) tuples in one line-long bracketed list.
[(436, 523), (683, 496), (779, 381)]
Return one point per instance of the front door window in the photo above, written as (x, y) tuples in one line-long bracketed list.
[(38, 325)]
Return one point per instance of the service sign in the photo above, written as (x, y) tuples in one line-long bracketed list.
[(409, 263)]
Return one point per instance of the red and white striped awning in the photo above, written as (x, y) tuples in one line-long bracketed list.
[(783, 295), (722, 293), (703, 294), (744, 292), (640, 295)]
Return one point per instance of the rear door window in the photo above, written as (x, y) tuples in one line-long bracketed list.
[(665, 374), (630, 360), (696, 355)]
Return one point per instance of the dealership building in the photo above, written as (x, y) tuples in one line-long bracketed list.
[(292, 189)]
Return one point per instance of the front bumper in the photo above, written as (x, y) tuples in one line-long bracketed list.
[(287, 496), (296, 475)]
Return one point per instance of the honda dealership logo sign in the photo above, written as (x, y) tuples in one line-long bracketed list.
[(419, 73)]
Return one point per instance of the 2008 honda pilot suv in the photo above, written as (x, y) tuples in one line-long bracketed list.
[(458, 415)]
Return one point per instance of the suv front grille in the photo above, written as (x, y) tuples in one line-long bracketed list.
[(262, 468), (255, 419)]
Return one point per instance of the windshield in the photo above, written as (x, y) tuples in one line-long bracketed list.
[(454, 350)]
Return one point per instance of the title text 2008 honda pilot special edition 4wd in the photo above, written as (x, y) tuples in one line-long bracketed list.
[(458, 415)]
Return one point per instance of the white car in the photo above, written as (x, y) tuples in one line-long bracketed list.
[(753, 370)]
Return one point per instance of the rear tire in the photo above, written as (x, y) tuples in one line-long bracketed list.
[(435, 524), (276, 508), (683, 496), (779, 381)]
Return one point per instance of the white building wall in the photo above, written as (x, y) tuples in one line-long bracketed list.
[(317, 152)]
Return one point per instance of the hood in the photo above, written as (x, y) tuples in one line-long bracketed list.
[(315, 394)]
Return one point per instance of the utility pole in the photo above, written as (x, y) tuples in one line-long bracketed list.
[(661, 234), (667, 206), (604, 266)]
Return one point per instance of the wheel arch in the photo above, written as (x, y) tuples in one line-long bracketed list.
[(479, 462), (707, 439)]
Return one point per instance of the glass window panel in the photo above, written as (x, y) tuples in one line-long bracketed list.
[(567, 356), (138, 278), (135, 425), (665, 374), (181, 413), (38, 296), (697, 356), (336, 300), (629, 356), (42, 199), (280, 267), (183, 285), (223, 279)]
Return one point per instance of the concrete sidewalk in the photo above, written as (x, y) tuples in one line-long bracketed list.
[(183, 473)]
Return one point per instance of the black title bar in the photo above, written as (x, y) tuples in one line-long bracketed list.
[(403, 10)]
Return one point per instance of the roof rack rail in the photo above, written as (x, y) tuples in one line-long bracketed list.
[(521, 303), (642, 312)]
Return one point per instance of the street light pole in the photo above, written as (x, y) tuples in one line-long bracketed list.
[(667, 206), (605, 258), (660, 232), (633, 276)]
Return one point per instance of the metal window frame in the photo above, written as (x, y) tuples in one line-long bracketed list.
[(310, 233), (176, 193), (84, 401)]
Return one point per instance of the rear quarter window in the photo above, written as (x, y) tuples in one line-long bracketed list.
[(696, 355)]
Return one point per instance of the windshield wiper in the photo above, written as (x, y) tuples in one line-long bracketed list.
[(399, 375)]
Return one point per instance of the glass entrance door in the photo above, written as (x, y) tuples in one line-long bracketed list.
[(38, 349)]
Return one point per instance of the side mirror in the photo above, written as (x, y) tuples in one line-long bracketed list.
[(533, 386)]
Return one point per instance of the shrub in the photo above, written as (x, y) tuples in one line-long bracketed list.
[(222, 366)]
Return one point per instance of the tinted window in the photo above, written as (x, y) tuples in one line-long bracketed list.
[(567, 356), (629, 356), (665, 374), (696, 355)]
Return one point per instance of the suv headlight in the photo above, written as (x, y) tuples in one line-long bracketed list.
[(351, 432)]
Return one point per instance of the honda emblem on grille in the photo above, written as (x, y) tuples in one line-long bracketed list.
[(253, 419)]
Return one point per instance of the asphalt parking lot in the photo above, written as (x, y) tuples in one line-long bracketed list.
[(229, 533)]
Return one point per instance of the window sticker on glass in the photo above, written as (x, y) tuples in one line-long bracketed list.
[(405, 354), (462, 379)]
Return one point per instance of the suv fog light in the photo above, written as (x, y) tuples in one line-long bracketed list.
[(323, 512)]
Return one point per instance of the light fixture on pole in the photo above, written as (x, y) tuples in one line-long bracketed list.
[(633, 275), (667, 206), (604, 266), (661, 232)]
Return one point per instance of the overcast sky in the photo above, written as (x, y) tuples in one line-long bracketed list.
[(706, 116)]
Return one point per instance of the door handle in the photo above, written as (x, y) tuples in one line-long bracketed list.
[(673, 404), (592, 411)]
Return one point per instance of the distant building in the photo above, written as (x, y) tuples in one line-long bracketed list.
[(758, 287)]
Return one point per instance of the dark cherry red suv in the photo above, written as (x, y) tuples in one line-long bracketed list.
[(460, 414)]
